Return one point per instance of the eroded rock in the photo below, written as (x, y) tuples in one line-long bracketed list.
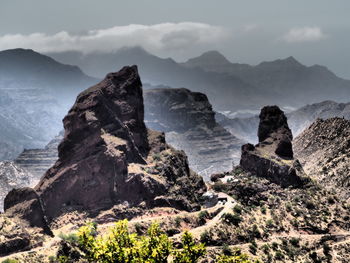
[(272, 157)]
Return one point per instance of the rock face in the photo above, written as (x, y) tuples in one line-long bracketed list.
[(273, 125), (324, 151), (108, 157), (272, 157), (189, 122)]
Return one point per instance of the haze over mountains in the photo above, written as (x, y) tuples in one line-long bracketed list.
[(229, 86), (36, 91)]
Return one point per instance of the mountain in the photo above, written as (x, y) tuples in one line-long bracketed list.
[(298, 120), (109, 160), (284, 79), (324, 149), (36, 92), (214, 61), (188, 120), (226, 92)]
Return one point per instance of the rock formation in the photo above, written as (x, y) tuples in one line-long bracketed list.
[(272, 157), (108, 157), (189, 123), (324, 151)]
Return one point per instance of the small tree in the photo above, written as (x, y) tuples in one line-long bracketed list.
[(190, 252)]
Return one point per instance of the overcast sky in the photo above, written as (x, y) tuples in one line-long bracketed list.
[(245, 31)]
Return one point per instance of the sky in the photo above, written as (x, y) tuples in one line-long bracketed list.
[(245, 31)]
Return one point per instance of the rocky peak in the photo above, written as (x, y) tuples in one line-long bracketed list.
[(112, 107), (273, 126), (212, 58), (107, 158), (272, 157)]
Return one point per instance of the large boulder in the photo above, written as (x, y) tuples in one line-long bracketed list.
[(272, 157), (108, 157)]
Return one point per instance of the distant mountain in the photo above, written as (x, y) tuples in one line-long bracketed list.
[(216, 62), (35, 93), (229, 86), (187, 118), (245, 128), (226, 92), (286, 78)]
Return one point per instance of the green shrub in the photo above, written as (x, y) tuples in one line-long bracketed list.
[(202, 216), (191, 251), (10, 261), (265, 248), (70, 238), (226, 250), (253, 247), (205, 237), (294, 241), (156, 157), (269, 223), (279, 255), (233, 219), (178, 221), (237, 209), (121, 246)]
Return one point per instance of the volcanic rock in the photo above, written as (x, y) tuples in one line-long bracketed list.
[(272, 157), (108, 157)]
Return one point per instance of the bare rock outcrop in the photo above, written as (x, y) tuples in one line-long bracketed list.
[(272, 157), (108, 157)]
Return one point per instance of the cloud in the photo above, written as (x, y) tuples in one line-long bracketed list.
[(250, 27), (158, 37), (304, 34)]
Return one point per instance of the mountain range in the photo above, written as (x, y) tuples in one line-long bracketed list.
[(229, 86)]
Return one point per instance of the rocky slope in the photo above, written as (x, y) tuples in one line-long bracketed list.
[(189, 123), (324, 151), (108, 158), (307, 222)]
